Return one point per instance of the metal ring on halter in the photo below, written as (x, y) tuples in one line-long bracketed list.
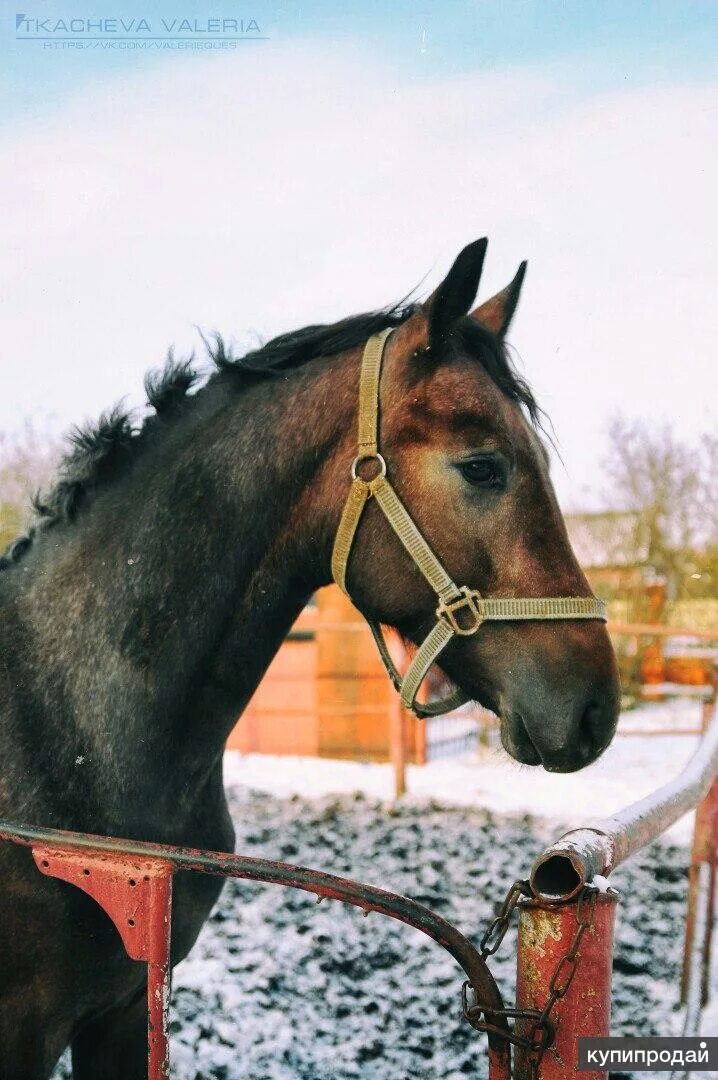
[(368, 457)]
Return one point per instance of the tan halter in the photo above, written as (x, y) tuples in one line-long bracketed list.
[(461, 610)]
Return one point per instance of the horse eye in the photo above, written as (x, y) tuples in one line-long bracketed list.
[(484, 473)]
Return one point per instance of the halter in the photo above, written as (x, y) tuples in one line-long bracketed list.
[(461, 611)]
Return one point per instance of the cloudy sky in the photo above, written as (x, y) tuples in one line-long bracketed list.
[(343, 160)]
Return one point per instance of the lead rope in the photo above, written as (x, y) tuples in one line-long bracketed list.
[(461, 610)]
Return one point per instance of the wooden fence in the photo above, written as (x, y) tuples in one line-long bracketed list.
[(326, 693)]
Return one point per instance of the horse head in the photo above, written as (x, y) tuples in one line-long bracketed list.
[(454, 439)]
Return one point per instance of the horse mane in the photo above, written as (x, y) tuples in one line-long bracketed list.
[(494, 356), (100, 452)]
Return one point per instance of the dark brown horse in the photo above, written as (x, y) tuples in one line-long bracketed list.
[(166, 567)]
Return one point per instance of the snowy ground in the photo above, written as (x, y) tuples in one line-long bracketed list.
[(278, 988), (632, 767)]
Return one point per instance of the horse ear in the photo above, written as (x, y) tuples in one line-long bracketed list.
[(456, 294), (496, 314)]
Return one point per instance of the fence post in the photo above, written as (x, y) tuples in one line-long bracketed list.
[(546, 934), (136, 893), (397, 723), (158, 977), (701, 889)]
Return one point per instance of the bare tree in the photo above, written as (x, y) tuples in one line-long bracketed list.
[(708, 506), (27, 461), (668, 484)]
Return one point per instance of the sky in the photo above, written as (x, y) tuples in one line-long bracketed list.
[(340, 155)]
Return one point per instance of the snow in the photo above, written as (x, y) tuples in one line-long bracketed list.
[(632, 767), (602, 884), (278, 988)]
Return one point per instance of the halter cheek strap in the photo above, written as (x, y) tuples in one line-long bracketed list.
[(460, 610)]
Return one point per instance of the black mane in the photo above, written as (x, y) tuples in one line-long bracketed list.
[(101, 451), (493, 354), (295, 348)]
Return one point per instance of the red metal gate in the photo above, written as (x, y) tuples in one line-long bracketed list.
[(566, 912), (132, 882)]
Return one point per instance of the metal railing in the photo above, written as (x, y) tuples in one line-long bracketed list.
[(565, 922), (599, 847), (132, 882), (570, 871), (565, 940)]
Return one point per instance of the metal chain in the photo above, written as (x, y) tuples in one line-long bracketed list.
[(542, 1031), (496, 930)]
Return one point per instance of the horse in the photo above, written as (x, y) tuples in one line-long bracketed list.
[(167, 564)]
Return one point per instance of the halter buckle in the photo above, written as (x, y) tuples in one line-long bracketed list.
[(466, 604)]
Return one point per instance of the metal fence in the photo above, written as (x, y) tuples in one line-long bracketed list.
[(132, 882), (564, 972), (565, 913), (453, 735)]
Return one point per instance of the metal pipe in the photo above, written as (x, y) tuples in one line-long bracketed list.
[(577, 857), (695, 959), (158, 978), (704, 851), (323, 885)]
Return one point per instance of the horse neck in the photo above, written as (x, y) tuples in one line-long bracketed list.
[(154, 617)]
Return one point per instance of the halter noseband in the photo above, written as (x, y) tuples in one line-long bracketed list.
[(461, 610)]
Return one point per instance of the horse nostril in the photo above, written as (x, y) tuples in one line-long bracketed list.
[(592, 736)]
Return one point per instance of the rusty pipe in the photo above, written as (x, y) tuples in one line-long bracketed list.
[(323, 885), (695, 961), (596, 848), (546, 933)]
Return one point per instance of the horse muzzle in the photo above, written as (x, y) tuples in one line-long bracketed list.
[(562, 732)]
